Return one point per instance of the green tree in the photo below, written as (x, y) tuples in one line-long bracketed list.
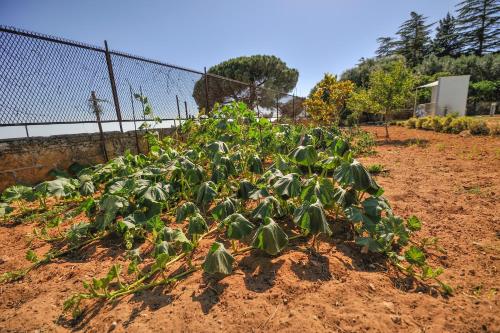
[(389, 91), (387, 46), (258, 71), (414, 39), (327, 99), (478, 24), (446, 42), (360, 74)]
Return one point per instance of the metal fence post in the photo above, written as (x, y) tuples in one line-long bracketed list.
[(178, 108), (97, 111), (293, 107), (206, 92), (186, 109), (113, 85), (135, 125)]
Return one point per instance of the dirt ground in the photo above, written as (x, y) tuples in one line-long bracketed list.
[(451, 182)]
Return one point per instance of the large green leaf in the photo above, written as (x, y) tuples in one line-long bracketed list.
[(245, 189), (237, 226), (355, 174), (269, 207), (156, 192), (109, 206), (16, 192), (270, 237), (319, 188), (186, 210), (218, 260), (223, 209), (206, 193), (5, 209), (163, 247), (87, 186), (219, 174), (311, 219), (60, 187), (345, 198), (177, 238), (217, 147), (227, 162), (288, 186), (305, 155), (254, 164), (197, 225), (374, 206)]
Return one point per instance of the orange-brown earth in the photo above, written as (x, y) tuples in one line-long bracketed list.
[(451, 182)]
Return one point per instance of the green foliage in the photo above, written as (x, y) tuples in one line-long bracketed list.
[(237, 226), (218, 260), (263, 71), (452, 124), (286, 172), (270, 237), (478, 25)]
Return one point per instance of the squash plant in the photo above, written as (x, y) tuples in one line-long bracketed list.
[(233, 180)]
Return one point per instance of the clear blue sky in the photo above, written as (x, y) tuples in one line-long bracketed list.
[(314, 36)]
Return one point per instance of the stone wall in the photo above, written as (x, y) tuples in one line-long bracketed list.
[(29, 160)]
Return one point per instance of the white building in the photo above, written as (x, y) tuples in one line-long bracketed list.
[(449, 95)]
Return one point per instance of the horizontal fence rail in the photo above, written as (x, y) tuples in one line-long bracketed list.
[(46, 80)]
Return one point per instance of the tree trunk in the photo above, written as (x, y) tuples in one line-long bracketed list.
[(386, 126)]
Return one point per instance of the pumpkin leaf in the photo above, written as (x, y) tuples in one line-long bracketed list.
[(218, 260), (223, 209), (206, 193), (186, 210), (197, 225), (237, 226), (311, 219), (305, 155), (270, 237), (288, 186), (269, 207)]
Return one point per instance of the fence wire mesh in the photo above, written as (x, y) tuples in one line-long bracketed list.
[(47, 80)]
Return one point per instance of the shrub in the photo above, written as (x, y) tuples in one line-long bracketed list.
[(420, 122), (428, 122), (437, 124), (478, 127), (458, 125), (410, 123), (446, 123)]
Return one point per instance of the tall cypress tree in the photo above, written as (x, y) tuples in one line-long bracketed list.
[(414, 42), (446, 42), (386, 46), (478, 24)]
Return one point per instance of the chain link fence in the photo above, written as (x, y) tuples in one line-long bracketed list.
[(46, 80)]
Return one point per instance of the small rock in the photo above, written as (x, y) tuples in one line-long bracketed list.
[(389, 306), (372, 287), (113, 325), (285, 301), (396, 320)]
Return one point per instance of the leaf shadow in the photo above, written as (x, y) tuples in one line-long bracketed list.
[(211, 294), (317, 268), (260, 272)]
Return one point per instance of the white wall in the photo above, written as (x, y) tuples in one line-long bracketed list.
[(452, 94)]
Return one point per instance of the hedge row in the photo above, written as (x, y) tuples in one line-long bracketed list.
[(452, 124)]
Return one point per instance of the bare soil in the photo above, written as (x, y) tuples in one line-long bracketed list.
[(451, 182)]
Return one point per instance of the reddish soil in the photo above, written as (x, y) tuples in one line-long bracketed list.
[(451, 182)]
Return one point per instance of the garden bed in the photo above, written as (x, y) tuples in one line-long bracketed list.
[(449, 181)]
